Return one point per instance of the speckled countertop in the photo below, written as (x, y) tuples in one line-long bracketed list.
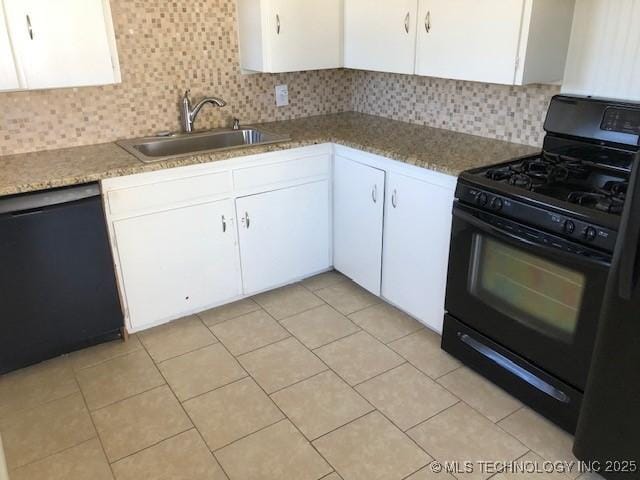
[(440, 150)]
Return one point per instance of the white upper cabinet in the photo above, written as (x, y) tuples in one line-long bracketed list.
[(8, 73), (290, 35), (62, 43), (380, 35), (604, 53), (513, 42)]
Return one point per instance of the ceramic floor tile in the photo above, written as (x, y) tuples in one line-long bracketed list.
[(423, 350), (347, 297), (321, 404), (249, 332), (540, 435), (183, 457), (358, 357), (138, 422), (118, 378), (275, 453), (82, 462), (460, 434), (406, 396), (323, 280), (232, 412), (385, 322), (530, 467), (483, 395), (227, 312), (319, 326), (371, 448), (105, 351), (281, 364), (34, 434), (176, 338), (36, 385), (198, 372), (332, 476), (430, 473), (287, 301)]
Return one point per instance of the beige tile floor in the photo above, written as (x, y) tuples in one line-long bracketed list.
[(318, 380)]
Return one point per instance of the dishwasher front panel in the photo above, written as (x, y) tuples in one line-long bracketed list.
[(57, 282)]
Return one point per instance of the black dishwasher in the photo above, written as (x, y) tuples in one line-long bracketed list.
[(57, 282)]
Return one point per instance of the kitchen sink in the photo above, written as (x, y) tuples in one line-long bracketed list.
[(155, 149)]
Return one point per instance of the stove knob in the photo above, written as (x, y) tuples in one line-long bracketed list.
[(497, 204), (482, 199), (569, 227), (590, 234)]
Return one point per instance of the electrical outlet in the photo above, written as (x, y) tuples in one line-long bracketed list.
[(282, 95)]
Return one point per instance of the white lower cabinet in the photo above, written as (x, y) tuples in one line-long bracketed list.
[(417, 229), (284, 235), (358, 205), (178, 261)]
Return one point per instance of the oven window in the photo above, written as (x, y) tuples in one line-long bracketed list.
[(536, 292)]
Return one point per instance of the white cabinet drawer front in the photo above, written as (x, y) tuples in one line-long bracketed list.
[(177, 262), (167, 194), (262, 175)]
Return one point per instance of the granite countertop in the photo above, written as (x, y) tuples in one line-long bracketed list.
[(436, 149)]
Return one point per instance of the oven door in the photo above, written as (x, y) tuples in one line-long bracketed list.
[(534, 298)]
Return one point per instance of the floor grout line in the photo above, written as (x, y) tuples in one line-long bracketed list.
[(95, 428)]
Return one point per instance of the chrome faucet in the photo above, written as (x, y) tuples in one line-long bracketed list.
[(189, 114)]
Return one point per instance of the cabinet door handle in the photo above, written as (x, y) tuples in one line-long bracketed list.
[(278, 24), (29, 28), (407, 20), (224, 224), (374, 194), (427, 22), (246, 220), (394, 199)]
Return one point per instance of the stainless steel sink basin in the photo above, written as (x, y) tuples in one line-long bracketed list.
[(155, 149)]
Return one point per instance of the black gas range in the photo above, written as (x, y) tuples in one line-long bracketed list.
[(531, 248)]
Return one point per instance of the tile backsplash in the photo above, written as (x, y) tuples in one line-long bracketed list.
[(510, 113), (166, 47)]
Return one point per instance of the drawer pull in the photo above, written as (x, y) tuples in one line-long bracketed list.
[(224, 224)]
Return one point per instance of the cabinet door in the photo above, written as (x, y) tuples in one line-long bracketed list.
[(469, 39), (8, 74), (358, 204), (61, 43), (304, 35), (416, 247), (380, 35), (177, 262), (284, 235)]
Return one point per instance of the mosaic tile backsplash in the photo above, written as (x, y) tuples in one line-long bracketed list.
[(166, 47), (510, 113)]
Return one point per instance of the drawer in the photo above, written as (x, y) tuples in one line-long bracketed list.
[(157, 196), (275, 173)]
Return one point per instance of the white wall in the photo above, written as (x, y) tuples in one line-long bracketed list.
[(604, 52)]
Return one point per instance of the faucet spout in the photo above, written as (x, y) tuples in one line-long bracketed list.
[(189, 113)]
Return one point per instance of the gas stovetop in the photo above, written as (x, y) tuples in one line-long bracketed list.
[(595, 185)]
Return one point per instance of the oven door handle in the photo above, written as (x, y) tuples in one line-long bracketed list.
[(493, 230)]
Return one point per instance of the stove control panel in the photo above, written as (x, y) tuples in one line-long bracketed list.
[(568, 227)]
